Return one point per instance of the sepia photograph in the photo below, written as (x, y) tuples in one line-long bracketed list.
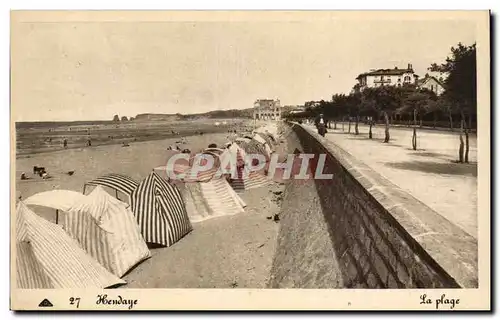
[(250, 155)]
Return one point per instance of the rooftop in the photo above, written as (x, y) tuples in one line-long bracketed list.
[(428, 77), (390, 72), (383, 72)]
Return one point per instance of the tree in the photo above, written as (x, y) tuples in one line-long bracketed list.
[(461, 89), (337, 108), (386, 99), (116, 118), (124, 118), (368, 108), (418, 103), (354, 103)]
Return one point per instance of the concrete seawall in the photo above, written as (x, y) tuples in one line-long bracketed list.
[(359, 230)]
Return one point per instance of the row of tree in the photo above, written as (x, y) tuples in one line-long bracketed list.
[(410, 104), (116, 118)]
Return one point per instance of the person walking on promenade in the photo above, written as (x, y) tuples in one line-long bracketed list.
[(320, 123)]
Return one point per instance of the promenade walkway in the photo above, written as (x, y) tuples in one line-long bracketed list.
[(429, 173)]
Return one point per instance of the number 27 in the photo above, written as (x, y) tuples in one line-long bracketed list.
[(75, 300)]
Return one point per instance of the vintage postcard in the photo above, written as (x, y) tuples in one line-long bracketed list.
[(260, 160)]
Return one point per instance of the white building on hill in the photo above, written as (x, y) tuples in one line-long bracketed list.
[(267, 109), (386, 77)]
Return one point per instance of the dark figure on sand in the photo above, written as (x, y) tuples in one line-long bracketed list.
[(38, 170)]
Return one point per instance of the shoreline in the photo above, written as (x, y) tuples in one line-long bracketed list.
[(145, 135)]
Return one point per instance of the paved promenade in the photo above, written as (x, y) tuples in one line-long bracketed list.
[(429, 173)]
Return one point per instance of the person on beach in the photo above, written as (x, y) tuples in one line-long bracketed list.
[(65, 143), (320, 123)]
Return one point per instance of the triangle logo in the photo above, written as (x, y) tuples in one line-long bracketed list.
[(45, 303)]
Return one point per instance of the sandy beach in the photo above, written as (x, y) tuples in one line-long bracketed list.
[(232, 251)]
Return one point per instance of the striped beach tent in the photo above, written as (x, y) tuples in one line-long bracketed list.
[(197, 207), (245, 180), (60, 200), (159, 209), (272, 136), (176, 166), (264, 142), (106, 229), (203, 175), (270, 130), (221, 198), (211, 199), (268, 138), (48, 258), (211, 196), (118, 182), (251, 146), (215, 151)]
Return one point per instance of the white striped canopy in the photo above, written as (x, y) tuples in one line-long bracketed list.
[(251, 146), (267, 138), (218, 151), (265, 145), (179, 166), (215, 198), (48, 258), (58, 199), (116, 181), (272, 129), (106, 229), (159, 209), (250, 180), (205, 175)]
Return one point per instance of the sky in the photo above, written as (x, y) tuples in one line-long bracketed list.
[(63, 71)]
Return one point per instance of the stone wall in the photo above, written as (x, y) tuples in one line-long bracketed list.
[(359, 230)]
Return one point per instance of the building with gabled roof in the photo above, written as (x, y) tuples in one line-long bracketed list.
[(431, 83), (386, 77)]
